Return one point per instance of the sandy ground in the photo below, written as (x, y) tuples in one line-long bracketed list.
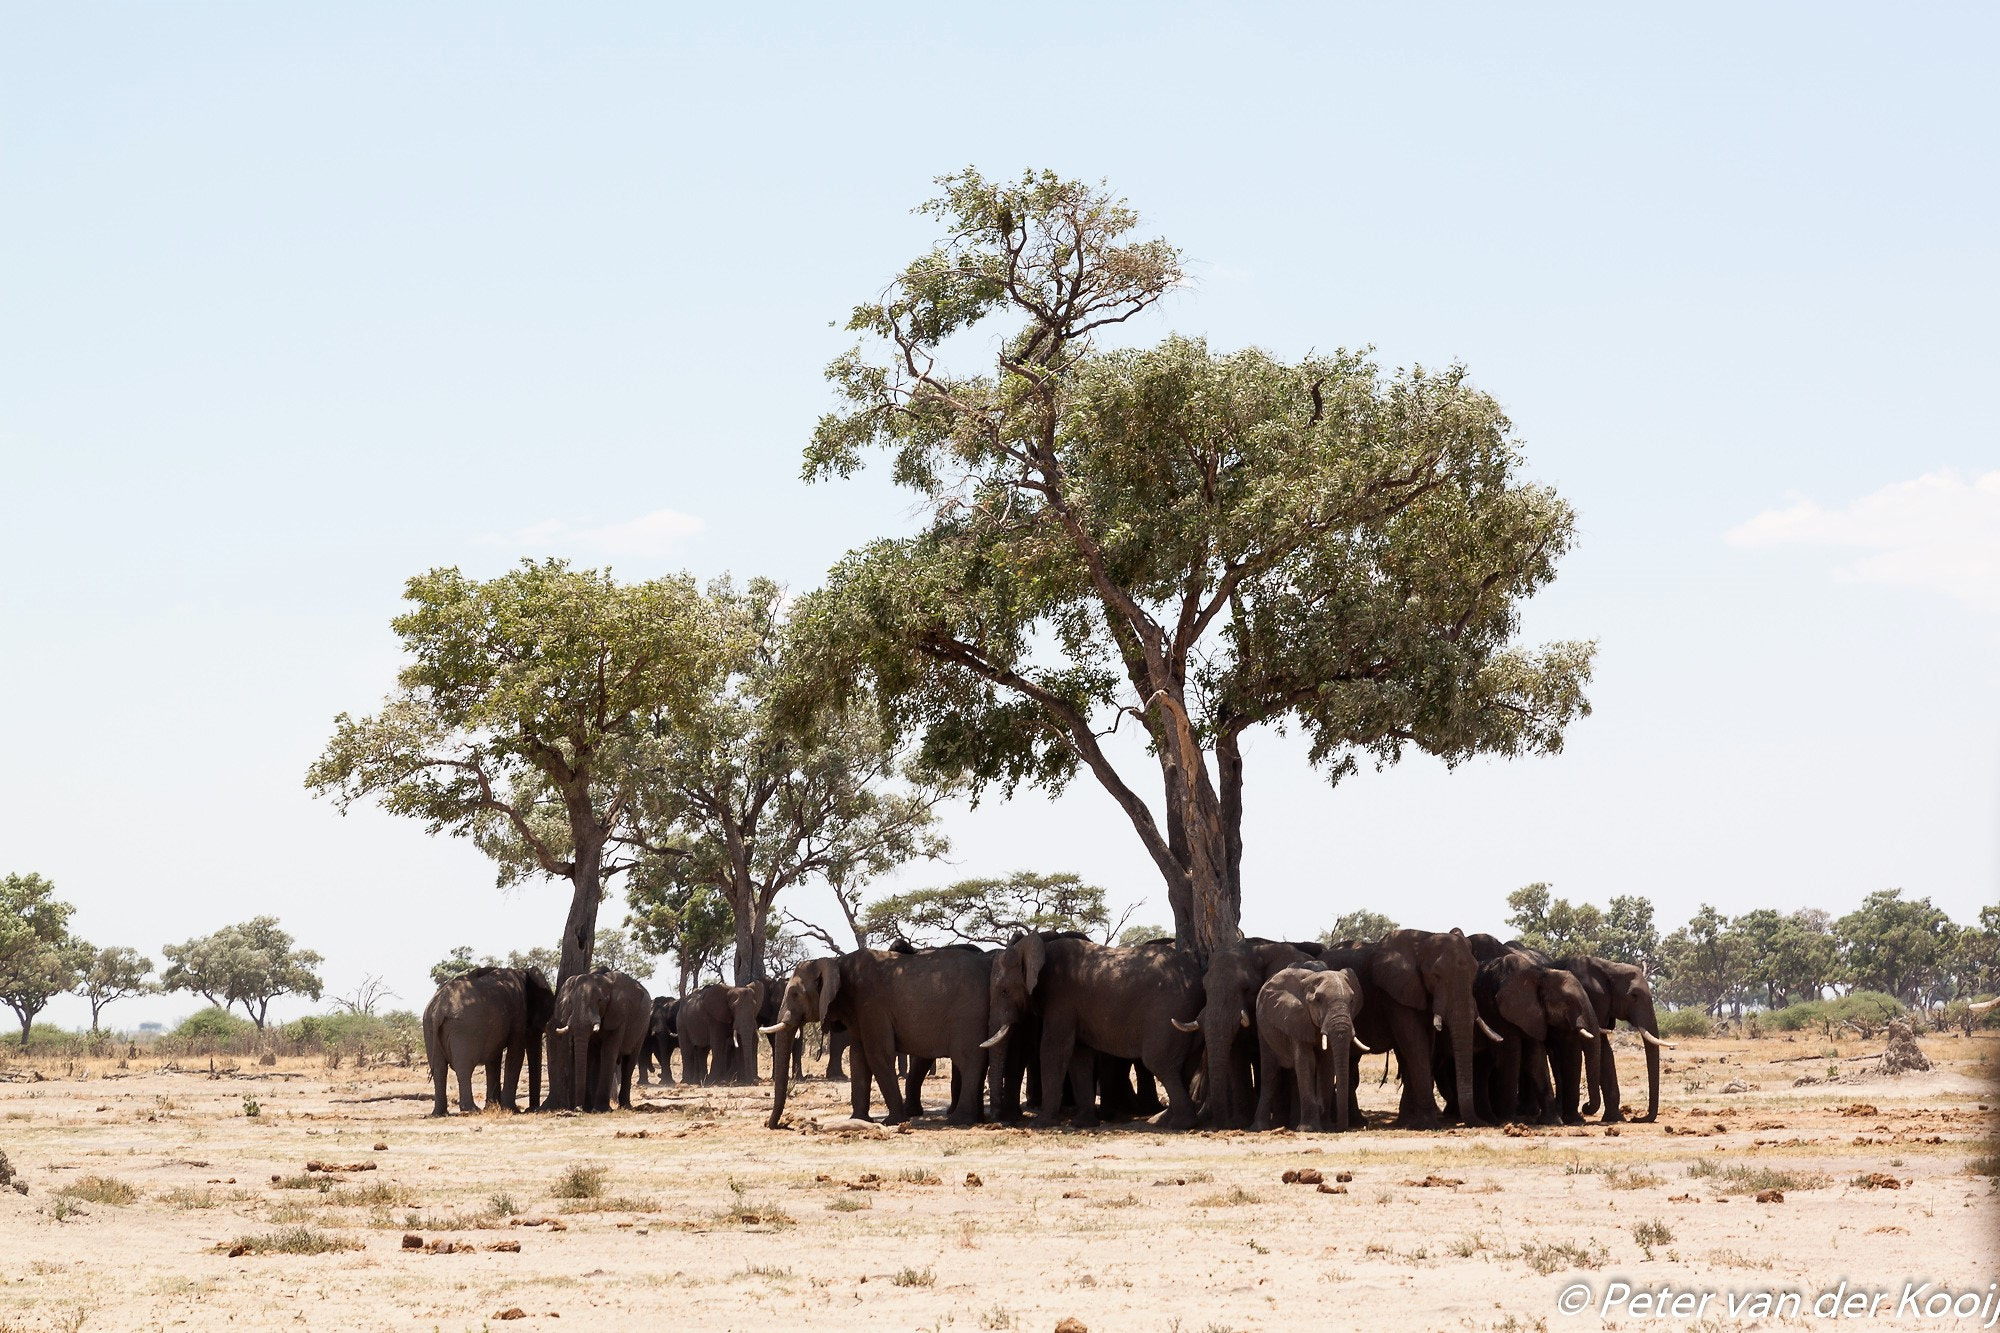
[(704, 1214)]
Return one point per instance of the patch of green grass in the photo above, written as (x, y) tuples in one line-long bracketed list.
[(502, 1205), (581, 1181), (851, 1203), (291, 1240), (1562, 1256), (619, 1203), (916, 1277), (324, 1184), (101, 1189), (1236, 1198), (746, 1213), (375, 1194), (1466, 1246)]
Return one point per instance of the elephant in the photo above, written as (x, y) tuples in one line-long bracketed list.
[(600, 1024), (660, 1040), (1136, 1003), (492, 1016), (1228, 1022), (1542, 1020), (716, 1027), (1619, 991), (928, 1005), (1305, 1024), (767, 1014), (1414, 983)]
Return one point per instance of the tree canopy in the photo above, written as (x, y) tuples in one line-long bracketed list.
[(989, 911), (113, 973), (1190, 542), (39, 958), (1360, 924), (523, 718), (249, 964), (754, 789)]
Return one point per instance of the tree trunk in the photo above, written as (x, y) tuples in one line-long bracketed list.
[(27, 1021)]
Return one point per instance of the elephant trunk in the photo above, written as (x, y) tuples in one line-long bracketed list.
[(534, 1054), (1647, 1022), (781, 1070), (579, 1080), (1340, 1050), (1459, 1027), (1222, 1023)]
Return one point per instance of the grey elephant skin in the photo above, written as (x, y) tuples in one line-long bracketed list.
[(717, 1031), (1416, 983), (492, 1016), (1305, 1025), (928, 1005), (1228, 1023), (1138, 1003), (1547, 1025), (660, 1041), (1619, 992), (600, 1025)]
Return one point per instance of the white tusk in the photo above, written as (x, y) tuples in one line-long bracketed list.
[(1584, 1032), (563, 1029), (1437, 1022), (1243, 1018), (996, 1038), (1359, 1047), (1184, 1027), (775, 1027), (594, 1027), (1649, 1038), (1491, 1035), (1322, 1041)]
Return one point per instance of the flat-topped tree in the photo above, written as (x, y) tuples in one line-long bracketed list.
[(251, 964), (116, 972), (1191, 542), (523, 717), (39, 958)]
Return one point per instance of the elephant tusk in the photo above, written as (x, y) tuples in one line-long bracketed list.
[(1184, 1027), (1649, 1038), (595, 1026), (1243, 1018), (1585, 1033), (1359, 1047), (774, 1028), (996, 1038), (1322, 1041), (1437, 1022), (562, 1030), (1491, 1035)]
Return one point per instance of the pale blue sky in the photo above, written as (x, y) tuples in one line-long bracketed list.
[(297, 304)]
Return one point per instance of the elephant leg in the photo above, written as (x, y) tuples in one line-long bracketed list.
[(462, 1066), (1058, 1044), (894, 1111), (913, 1086), (859, 1077), (1267, 1083), (1569, 1060), (1506, 1089), (510, 1078), (1309, 1069), (440, 1071), (836, 1046), (1411, 1036), (493, 1081), (968, 1080), (1083, 1080), (625, 1083), (1538, 1076)]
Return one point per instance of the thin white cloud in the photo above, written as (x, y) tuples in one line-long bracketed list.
[(1940, 531), (660, 533)]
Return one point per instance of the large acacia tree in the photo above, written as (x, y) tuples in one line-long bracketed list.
[(1191, 542), (750, 792), (524, 718)]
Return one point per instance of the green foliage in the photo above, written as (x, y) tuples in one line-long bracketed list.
[(249, 964), (1686, 1023), (1865, 1010), (989, 911), (114, 973), (765, 783), (1360, 924), (690, 923), (524, 719), (39, 958), (211, 1029), (1895, 945), (1196, 542), (1143, 933), (1624, 932)]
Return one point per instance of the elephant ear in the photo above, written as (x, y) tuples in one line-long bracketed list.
[(1034, 953), (1520, 1003), (828, 975), (1394, 969)]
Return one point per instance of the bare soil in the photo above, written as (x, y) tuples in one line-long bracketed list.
[(142, 1181)]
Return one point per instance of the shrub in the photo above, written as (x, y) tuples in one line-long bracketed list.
[(580, 1182), (1686, 1023), (211, 1031), (291, 1240), (101, 1189)]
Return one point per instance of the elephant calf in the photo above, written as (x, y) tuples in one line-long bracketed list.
[(1305, 1024)]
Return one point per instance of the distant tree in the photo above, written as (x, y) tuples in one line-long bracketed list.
[(453, 965), (1976, 955), (1628, 934), (622, 951), (39, 958), (249, 964), (1363, 924), (523, 720), (1703, 962), (756, 789), (541, 958), (1894, 945), (1556, 925), (114, 973), (363, 998), (989, 911), (1143, 933), (1196, 543), (689, 923)]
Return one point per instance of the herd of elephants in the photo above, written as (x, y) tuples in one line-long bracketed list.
[(1267, 1034)]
